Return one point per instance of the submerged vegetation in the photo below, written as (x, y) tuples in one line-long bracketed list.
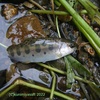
[(72, 77)]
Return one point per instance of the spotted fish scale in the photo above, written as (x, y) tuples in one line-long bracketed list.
[(40, 50)]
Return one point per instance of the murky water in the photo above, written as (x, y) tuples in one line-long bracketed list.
[(4, 59), (5, 62)]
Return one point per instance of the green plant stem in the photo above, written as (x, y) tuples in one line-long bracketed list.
[(89, 7), (53, 85), (57, 3), (97, 49), (55, 12), (57, 27), (92, 10), (49, 12), (24, 83), (91, 4), (52, 69), (3, 45), (81, 22)]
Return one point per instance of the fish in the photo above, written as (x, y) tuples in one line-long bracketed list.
[(40, 50)]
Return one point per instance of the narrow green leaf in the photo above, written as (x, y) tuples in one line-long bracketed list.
[(78, 67), (69, 73)]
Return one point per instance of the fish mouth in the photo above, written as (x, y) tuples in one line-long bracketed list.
[(72, 45), (74, 48)]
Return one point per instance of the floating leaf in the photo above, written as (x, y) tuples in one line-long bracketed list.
[(25, 27)]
